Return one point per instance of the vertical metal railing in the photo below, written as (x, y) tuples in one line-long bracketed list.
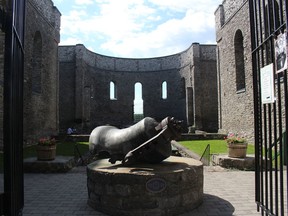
[(268, 20), (13, 28), (2, 22), (205, 158)]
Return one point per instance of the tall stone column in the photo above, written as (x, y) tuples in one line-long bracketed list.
[(79, 80), (189, 106)]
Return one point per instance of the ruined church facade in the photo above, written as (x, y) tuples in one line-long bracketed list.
[(209, 88), (85, 78)]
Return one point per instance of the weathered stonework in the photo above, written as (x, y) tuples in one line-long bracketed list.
[(170, 188), (42, 35), (81, 97), (59, 165), (247, 163), (84, 87), (235, 107)]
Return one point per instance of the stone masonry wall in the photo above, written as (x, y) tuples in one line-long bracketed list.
[(42, 35), (206, 82), (82, 97), (88, 103), (67, 103), (235, 107), (226, 11)]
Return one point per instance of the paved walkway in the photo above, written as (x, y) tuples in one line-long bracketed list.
[(227, 193)]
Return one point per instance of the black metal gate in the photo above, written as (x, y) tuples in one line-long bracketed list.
[(12, 14), (269, 55)]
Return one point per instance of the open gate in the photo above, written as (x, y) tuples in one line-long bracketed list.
[(12, 14), (269, 55)]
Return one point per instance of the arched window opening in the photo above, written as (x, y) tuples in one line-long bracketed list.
[(113, 91), (37, 63), (138, 102), (239, 61), (164, 90)]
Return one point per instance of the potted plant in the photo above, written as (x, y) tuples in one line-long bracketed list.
[(46, 149), (237, 145)]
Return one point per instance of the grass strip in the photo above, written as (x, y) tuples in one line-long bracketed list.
[(216, 146)]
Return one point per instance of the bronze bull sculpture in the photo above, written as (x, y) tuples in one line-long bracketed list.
[(146, 141)]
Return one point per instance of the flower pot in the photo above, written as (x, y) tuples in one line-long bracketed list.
[(237, 150), (46, 152)]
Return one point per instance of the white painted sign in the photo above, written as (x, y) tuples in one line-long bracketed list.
[(267, 84)]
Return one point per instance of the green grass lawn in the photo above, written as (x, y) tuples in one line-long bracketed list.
[(216, 146), (63, 148)]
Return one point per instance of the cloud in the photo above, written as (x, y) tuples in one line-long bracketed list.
[(58, 2), (83, 2), (183, 5), (71, 41), (139, 28)]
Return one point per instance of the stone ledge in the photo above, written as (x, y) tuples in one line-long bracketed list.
[(59, 165), (247, 163)]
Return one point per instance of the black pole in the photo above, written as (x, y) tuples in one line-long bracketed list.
[(13, 108)]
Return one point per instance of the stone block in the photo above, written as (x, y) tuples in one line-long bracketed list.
[(247, 163), (60, 164)]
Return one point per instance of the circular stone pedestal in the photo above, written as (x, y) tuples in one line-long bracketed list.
[(171, 187)]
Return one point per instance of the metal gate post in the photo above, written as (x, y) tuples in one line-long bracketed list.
[(268, 22), (13, 107)]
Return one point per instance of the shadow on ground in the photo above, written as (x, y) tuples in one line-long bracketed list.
[(212, 205)]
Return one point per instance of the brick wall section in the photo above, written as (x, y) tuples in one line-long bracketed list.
[(89, 102), (41, 108), (235, 108)]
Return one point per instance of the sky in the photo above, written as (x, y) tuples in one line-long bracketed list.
[(137, 28)]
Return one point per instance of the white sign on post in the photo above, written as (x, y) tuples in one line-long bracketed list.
[(267, 84)]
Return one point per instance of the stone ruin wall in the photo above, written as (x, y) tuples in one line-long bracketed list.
[(42, 35), (195, 68), (41, 108), (84, 74), (226, 11), (49, 12), (208, 85), (92, 73), (236, 112)]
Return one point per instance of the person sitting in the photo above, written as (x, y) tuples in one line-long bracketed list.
[(69, 131)]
